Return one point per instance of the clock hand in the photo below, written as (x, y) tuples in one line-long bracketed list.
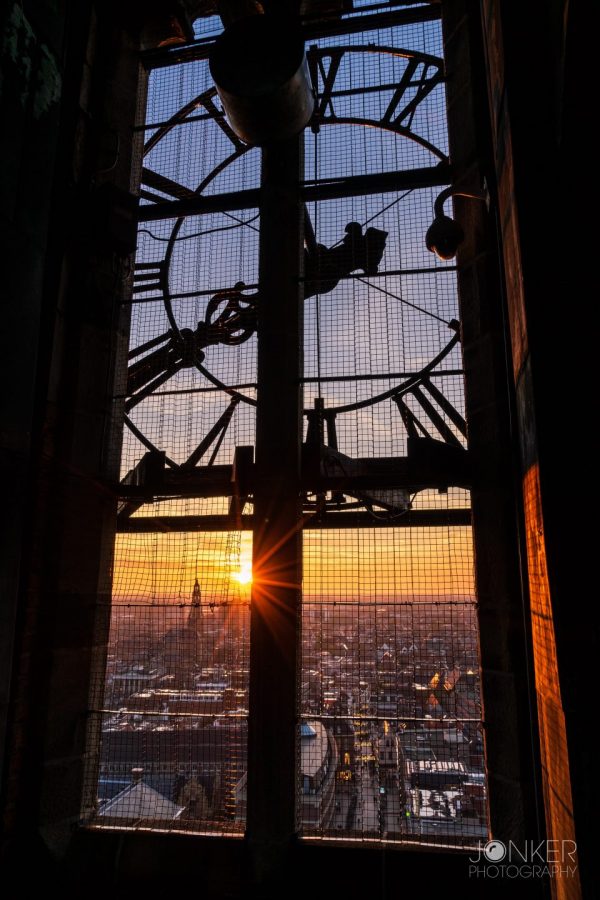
[(230, 319), (235, 323), (148, 389), (166, 360), (231, 316), (324, 266)]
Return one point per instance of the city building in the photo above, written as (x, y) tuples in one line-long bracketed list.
[(318, 763), (139, 802)]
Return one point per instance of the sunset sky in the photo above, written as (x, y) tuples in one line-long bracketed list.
[(349, 565), (360, 329)]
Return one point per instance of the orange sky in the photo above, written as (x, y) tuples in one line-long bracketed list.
[(347, 564)]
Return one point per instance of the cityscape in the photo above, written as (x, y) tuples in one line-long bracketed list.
[(390, 728)]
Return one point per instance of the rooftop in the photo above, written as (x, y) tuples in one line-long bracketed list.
[(313, 747), (138, 801)]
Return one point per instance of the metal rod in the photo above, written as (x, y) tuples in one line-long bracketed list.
[(198, 205), (371, 89), (158, 58), (472, 603), (397, 717), (377, 20), (427, 270), (335, 189), (210, 292), (202, 390), (151, 125), (419, 518), (380, 183), (200, 48), (165, 185), (365, 472), (421, 309), (178, 715), (384, 376), (149, 345)]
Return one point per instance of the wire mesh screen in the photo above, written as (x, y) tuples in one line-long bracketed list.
[(191, 276), (391, 744), (386, 325), (171, 718), (390, 735), (169, 711), (373, 333), (173, 406), (390, 712)]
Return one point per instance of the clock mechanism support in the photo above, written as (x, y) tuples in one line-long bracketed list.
[(345, 490), (296, 476), (337, 491)]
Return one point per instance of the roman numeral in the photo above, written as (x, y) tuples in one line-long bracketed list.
[(149, 277), (151, 179), (430, 422), (215, 436), (398, 114), (206, 100), (317, 68)]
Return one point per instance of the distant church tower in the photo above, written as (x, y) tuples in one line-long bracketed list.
[(194, 622), (196, 597)]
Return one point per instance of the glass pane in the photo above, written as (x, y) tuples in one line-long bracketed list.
[(172, 724), (391, 740)]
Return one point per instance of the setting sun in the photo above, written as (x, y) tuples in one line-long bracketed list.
[(244, 576)]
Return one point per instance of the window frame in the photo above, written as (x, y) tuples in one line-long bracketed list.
[(274, 827)]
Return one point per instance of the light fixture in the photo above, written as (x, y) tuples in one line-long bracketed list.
[(261, 74), (444, 234)]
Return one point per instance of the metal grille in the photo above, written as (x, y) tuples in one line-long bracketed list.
[(171, 719), (390, 738)]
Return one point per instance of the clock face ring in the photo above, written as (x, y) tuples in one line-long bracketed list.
[(167, 297), (224, 316), (220, 297), (204, 100)]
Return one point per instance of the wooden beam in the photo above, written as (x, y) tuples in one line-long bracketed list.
[(419, 518)]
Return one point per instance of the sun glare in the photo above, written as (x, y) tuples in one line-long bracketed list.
[(244, 576)]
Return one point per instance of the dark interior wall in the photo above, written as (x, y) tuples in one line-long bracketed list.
[(504, 638), (68, 91), (536, 91), (28, 144)]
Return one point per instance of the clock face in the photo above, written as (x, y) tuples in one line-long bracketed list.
[(381, 344)]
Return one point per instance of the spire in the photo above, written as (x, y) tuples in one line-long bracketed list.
[(195, 614), (196, 594)]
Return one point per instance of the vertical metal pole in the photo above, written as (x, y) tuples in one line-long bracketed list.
[(277, 548)]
